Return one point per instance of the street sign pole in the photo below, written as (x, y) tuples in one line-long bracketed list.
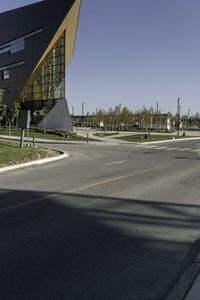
[(23, 123), (22, 138)]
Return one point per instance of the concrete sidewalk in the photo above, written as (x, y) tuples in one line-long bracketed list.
[(107, 140), (111, 139), (187, 285), (194, 293)]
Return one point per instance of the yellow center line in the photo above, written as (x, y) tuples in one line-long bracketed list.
[(84, 187), (101, 182)]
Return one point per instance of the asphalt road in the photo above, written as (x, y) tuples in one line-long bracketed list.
[(110, 222)]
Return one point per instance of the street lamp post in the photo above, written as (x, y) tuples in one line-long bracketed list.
[(157, 115), (178, 115), (157, 107), (83, 113), (83, 109)]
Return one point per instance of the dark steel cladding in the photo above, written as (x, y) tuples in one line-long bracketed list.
[(25, 34)]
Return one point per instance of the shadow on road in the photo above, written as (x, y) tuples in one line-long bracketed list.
[(71, 246)]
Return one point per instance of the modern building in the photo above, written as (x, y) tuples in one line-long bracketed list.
[(36, 45)]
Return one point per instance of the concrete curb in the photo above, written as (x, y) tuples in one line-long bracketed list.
[(35, 162)]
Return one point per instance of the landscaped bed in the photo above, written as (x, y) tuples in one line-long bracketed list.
[(11, 153)]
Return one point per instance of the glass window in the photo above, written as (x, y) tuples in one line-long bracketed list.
[(2, 92), (49, 82), (17, 44), (4, 49), (6, 74), (17, 64)]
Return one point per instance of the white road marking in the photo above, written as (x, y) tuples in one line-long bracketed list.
[(196, 150), (185, 149), (115, 163), (170, 149), (159, 148), (137, 146), (106, 144), (148, 147)]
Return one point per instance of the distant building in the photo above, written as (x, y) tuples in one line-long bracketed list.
[(36, 45), (151, 121)]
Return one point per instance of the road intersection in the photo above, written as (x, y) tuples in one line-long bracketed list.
[(113, 222)]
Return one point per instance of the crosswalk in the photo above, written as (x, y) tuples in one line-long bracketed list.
[(165, 148)]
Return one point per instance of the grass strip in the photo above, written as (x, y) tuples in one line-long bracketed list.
[(11, 153), (47, 136)]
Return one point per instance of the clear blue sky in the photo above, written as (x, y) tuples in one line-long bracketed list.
[(134, 52)]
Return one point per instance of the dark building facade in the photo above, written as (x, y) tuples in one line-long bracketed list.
[(36, 45)]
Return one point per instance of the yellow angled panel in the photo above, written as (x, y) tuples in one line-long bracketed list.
[(70, 25)]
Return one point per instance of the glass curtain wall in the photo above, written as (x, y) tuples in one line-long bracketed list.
[(49, 83), (2, 92)]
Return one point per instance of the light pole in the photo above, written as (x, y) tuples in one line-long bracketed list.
[(82, 113), (178, 115), (157, 107), (83, 109), (157, 115)]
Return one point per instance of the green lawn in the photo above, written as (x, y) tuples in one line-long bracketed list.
[(104, 134), (47, 135), (140, 138), (11, 153)]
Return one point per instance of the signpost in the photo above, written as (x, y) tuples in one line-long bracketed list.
[(23, 123)]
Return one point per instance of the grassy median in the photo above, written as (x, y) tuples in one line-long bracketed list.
[(11, 153)]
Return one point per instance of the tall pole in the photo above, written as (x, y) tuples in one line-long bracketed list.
[(178, 106), (83, 109), (188, 118), (178, 115), (82, 114), (72, 110), (157, 115), (157, 107)]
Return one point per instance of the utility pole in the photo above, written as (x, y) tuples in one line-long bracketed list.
[(178, 106), (178, 115), (188, 118), (82, 113), (83, 109), (157, 107), (157, 115)]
